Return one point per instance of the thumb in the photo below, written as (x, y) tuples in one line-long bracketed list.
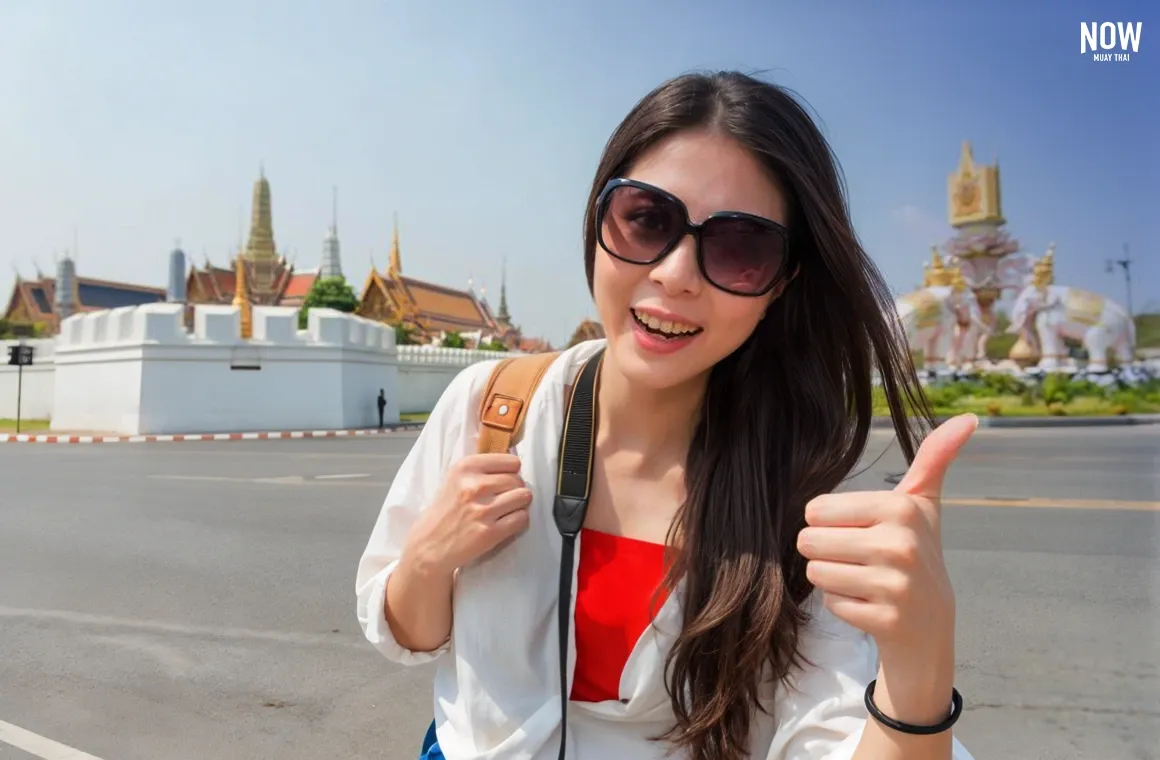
[(935, 455)]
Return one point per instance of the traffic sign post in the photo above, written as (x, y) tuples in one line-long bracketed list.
[(19, 356)]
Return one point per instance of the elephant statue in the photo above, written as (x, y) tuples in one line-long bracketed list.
[(1044, 315), (946, 323)]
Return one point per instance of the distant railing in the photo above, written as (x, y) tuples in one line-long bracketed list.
[(460, 357)]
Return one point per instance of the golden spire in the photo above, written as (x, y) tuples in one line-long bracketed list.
[(395, 266), (260, 246), (958, 282), (242, 298), (966, 160), (1043, 273), (935, 274)]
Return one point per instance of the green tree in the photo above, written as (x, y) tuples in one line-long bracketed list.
[(404, 335), (328, 293), (14, 330), (453, 339), (492, 345)]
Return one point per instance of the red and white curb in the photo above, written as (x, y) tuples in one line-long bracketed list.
[(274, 436)]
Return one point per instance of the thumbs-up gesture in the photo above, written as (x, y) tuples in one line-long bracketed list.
[(877, 555)]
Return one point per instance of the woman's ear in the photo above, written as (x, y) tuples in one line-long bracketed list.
[(779, 289)]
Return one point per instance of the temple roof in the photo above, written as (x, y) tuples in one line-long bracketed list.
[(435, 307), (286, 287), (299, 285), (38, 297)]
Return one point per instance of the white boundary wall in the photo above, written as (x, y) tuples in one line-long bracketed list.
[(426, 371), (37, 384), (137, 371)]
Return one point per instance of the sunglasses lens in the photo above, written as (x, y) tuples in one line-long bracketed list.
[(742, 255), (638, 224)]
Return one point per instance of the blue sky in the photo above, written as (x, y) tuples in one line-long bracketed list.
[(480, 124)]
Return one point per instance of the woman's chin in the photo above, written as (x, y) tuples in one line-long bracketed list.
[(643, 365)]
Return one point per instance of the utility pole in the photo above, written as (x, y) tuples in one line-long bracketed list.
[(1125, 264)]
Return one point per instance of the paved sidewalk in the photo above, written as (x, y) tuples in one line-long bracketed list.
[(82, 437)]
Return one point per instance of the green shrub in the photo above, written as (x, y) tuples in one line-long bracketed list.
[(1056, 389)]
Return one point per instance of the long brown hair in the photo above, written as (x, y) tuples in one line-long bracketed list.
[(806, 375)]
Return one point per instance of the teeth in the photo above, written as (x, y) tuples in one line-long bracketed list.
[(664, 326)]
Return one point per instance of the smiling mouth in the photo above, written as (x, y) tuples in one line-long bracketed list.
[(664, 328)]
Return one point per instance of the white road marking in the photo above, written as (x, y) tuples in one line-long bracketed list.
[(217, 478), (180, 629), (233, 454), (40, 746), (283, 480)]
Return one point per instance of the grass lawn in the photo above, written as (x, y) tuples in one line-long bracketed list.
[(26, 426), (1013, 406), (414, 416)]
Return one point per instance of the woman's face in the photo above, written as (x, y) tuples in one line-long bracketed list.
[(709, 173)]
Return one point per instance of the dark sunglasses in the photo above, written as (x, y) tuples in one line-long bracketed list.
[(739, 253)]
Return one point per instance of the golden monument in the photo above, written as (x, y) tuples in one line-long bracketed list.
[(981, 244), (242, 301), (973, 193)]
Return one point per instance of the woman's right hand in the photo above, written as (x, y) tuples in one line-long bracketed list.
[(483, 501)]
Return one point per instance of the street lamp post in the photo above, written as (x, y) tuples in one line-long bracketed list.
[(1125, 264)]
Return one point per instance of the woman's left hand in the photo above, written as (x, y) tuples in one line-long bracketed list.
[(877, 555)]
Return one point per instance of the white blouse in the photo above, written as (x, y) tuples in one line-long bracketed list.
[(497, 684)]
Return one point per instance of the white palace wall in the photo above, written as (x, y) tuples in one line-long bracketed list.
[(137, 371), (36, 386), (426, 371)]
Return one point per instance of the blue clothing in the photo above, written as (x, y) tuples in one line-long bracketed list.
[(431, 749)]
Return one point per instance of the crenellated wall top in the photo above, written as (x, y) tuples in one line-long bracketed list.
[(162, 324)]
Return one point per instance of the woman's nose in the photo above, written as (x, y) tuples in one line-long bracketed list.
[(678, 273)]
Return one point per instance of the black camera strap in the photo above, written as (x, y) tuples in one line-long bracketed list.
[(573, 486)]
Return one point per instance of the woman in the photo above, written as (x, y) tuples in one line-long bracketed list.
[(728, 604)]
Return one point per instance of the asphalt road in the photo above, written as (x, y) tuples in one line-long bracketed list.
[(187, 601)]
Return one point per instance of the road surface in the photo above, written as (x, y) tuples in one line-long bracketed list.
[(180, 601)]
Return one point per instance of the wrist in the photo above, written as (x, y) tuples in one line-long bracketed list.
[(425, 566), (916, 690)]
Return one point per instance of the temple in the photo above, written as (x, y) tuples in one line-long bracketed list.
[(269, 278), (38, 306), (428, 312), (259, 275)]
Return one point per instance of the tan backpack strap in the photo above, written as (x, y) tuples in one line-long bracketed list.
[(506, 399)]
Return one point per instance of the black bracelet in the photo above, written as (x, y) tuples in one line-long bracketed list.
[(906, 728)]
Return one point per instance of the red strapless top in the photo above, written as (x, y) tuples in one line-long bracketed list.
[(617, 580)]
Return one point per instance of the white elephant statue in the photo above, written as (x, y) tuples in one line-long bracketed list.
[(945, 322), (1045, 315)]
